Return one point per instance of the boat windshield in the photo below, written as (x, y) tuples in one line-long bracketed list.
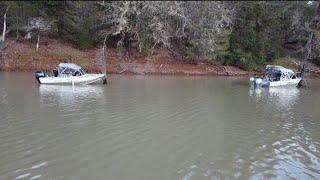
[(278, 73), (70, 69), (83, 71)]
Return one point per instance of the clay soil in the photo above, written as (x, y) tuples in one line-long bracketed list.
[(23, 57)]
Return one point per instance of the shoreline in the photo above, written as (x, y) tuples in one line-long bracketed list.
[(136, 74), (22, 57)]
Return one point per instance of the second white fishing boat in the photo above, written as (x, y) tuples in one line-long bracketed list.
[(276, 76)]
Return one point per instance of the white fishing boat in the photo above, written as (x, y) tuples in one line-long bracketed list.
[(276, 76), (69, 73)]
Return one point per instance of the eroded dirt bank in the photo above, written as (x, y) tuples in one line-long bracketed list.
[(23, 57)]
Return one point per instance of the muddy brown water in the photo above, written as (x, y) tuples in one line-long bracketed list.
[(158, 127)]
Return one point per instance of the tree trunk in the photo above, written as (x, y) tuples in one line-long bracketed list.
[(308, 47), (3, 53), (307, 53), (37, 48), (3, 47), (4, 27), (314, 53), (104, 60)]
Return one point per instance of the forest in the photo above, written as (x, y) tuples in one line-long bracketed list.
[(245, 34)]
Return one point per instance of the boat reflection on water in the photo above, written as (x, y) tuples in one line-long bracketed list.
[(283, 97), (69, 95)]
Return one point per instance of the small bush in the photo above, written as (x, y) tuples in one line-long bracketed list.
[(243, 60), (83, 39)]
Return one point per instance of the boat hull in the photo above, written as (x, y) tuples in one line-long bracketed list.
[(289, 82), (72, 80)]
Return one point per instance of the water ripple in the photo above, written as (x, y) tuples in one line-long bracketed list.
[(158, 127)]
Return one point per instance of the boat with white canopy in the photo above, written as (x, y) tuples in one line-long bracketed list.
[(69, 73), (276, 76)]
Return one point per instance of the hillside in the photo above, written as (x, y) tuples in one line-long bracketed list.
[(159, 37)]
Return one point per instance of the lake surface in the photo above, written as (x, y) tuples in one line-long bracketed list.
[(158, 127)]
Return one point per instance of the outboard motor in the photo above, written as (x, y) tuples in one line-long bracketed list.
[(258, 81), (252, 81), (55, 73), (255, 81), (39, 74)]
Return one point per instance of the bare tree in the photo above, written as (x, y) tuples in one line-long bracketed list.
[(208, 21), (3, 45), (155, 23), (38, 26), (4, 26), (313, 45), (4, 30), (104, 56), (145, 22)]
